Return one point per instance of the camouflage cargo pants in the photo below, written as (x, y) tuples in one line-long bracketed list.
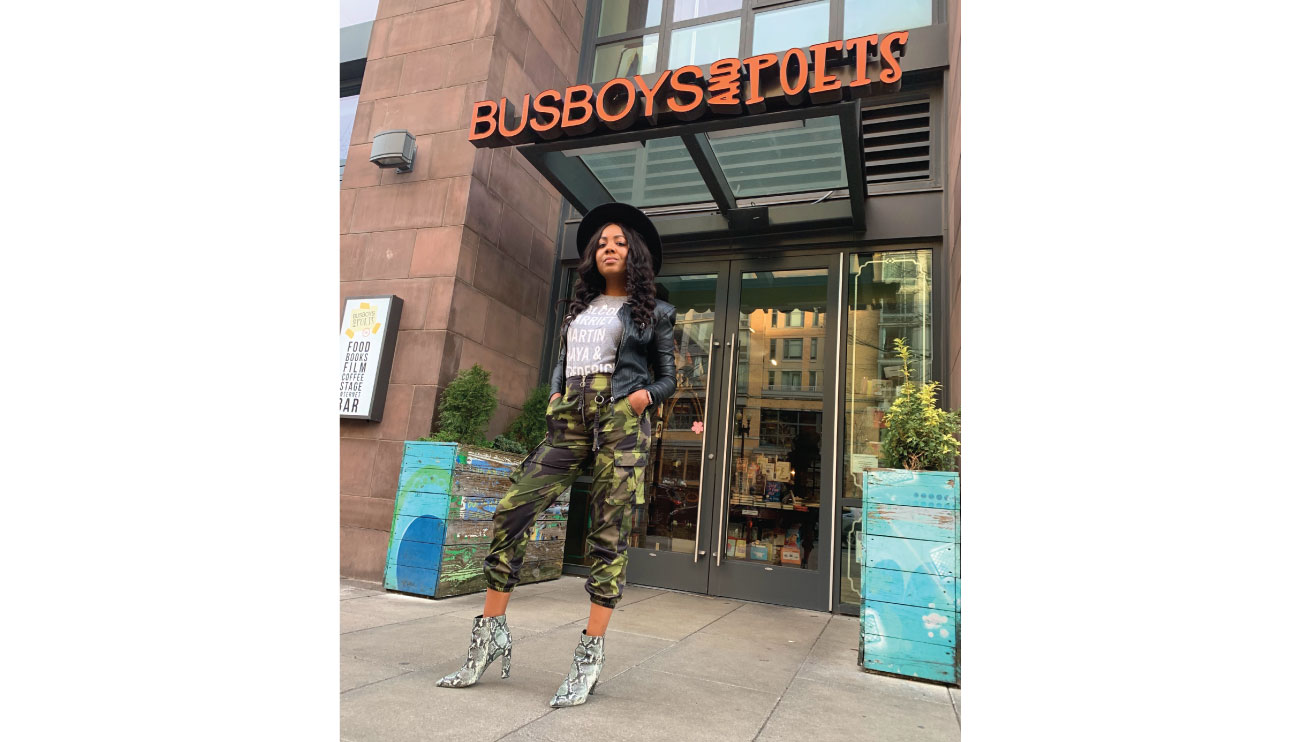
[(583, 427)]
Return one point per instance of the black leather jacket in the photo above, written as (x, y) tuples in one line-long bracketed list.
[(644, 359)]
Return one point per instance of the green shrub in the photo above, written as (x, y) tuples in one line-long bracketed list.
[(509, 445), (466, 407), (529, 428), (918, 435)]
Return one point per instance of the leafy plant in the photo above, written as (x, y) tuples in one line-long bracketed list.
[(509, 445), (918, 435), (529, 428), (466, 407)]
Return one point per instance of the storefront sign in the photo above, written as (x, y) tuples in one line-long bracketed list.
[(366, 343), (837, 70)]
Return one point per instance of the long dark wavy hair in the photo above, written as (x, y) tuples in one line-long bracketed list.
[(640, 280)]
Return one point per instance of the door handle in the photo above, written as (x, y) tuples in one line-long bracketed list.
[(699, 499), (854, 542), (726, 450)]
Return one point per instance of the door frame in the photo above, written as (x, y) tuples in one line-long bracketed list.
[(708, 571), (664, 567), (792, 586)]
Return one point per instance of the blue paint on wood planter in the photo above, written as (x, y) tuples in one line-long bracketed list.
[(889, 646), (425, 479), (911, 574), (478, 461), (912, 588), (411, 579), (442, 521), (906, 521), (927, 489), (911, 659), (491, 466), (472, 508), (926, 625), (426, 453), (417, 554), (911, 555), (425, 529), (416, 504)]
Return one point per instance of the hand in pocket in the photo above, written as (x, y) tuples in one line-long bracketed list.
[(638, 399)]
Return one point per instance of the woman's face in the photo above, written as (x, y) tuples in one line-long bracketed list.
[(611, 252)]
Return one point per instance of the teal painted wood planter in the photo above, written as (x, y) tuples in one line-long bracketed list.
[(911, 574), (442, 521)]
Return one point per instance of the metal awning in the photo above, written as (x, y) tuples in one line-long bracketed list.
[(779, 171)]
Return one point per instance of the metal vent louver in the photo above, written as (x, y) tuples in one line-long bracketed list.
[(896, 142)]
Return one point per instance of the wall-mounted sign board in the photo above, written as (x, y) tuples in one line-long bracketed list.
[(366, 343)]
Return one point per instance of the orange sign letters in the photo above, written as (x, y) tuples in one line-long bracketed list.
[(837, 70)]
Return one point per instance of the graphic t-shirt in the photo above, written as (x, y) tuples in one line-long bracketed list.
[(593, 337)]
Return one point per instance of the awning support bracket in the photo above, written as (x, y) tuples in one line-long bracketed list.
[(707, 163)]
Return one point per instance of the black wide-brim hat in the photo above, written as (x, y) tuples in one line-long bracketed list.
[(626, 215)]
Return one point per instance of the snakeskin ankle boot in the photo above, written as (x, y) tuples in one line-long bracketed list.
[(588, 658), (489, 639)]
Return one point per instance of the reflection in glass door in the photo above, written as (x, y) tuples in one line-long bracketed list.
[(776, 406), (776, 436), (666, 530), (888, 295), (740, 464)]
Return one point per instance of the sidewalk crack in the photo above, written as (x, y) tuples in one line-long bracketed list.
[(381, 680), (679, 641), (632, 667), (394, 623), (781, 696)]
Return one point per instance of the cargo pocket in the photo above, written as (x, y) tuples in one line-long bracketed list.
[(629, 477)]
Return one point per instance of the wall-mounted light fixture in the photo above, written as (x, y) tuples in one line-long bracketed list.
[(394, 148)]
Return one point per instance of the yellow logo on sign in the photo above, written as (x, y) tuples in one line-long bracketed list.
[(362, 321)]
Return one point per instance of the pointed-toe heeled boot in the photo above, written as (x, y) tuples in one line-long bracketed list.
[(489, 640), (588, 658)]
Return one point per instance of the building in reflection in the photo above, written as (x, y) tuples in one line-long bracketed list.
[(783, 367), (673, 484), (888, 298)]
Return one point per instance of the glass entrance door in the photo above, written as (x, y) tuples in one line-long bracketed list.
[(670, 533), (772, 534), (741, 463)]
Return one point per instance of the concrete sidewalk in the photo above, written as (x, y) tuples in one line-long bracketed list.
[(677, 667)]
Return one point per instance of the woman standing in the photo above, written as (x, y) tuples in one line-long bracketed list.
[(616, 360)]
